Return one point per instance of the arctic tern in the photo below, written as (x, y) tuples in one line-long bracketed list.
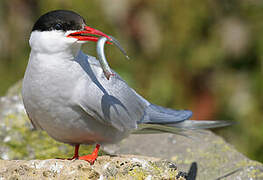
[(66, 93)]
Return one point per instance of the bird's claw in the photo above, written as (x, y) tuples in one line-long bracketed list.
[(89, 158)]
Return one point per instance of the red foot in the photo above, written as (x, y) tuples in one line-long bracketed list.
[(90, 157)]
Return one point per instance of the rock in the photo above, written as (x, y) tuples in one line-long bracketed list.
[(105, 167), (213, 157), (18, 140), (206, 155)]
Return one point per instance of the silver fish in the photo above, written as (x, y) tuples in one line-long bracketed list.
[(116, 43), (101, 55)]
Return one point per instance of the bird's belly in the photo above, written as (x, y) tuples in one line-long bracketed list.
[(49, 105), (67, 124), (72, 128)]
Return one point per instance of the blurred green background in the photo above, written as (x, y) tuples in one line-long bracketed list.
[(202, 55)]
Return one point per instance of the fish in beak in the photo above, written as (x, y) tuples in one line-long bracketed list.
[(91, 34)]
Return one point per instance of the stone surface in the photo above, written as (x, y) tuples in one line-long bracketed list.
[(18, 140), (213, 156), (205, 155), (106, 167)]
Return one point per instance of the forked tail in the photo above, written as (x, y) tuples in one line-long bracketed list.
[(158, 119)]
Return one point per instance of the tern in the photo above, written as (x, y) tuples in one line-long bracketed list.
[(66, 93)]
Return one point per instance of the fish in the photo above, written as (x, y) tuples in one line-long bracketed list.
[(101, 55)]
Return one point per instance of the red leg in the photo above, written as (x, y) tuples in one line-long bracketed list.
[(76, 154), (91, 157)]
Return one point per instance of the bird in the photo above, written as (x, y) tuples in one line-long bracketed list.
[(66, 94)]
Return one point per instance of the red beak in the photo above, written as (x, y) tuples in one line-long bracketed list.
[(84, 35)]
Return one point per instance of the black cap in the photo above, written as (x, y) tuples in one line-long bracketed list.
[(59, 20)]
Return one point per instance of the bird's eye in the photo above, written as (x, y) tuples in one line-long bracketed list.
[(58, 26)]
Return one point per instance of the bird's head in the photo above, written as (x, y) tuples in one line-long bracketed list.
[(61, 30)]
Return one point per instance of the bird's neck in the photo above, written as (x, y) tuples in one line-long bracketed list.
[(69, 55), (75, 50), (54, 44)]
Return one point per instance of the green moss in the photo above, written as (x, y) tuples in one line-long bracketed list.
[(156, 170), (33, 144), (255, 173), (138, 173)]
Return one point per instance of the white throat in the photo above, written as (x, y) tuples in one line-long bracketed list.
[(54, 43)]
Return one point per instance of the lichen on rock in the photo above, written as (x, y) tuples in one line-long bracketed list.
[(106, 167), (18, 139), (212, 156)]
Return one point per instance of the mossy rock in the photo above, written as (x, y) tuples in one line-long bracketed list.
[(18, 139), (105, 167), (212, 156)]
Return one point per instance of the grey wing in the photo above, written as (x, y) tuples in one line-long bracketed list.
[(112, 101)]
